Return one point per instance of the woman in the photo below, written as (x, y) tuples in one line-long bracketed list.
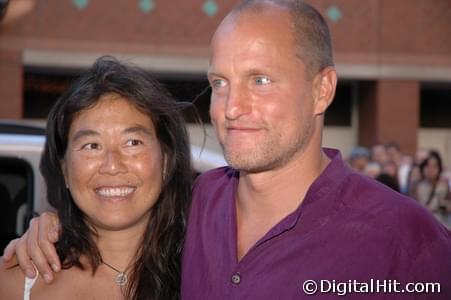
[(413, 178), (433, 191), (117, 166)]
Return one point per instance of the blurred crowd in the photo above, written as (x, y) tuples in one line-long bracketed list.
[(422, 177)]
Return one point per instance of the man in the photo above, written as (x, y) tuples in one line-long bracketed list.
[(288, 216)]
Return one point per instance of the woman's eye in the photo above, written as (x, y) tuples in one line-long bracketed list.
[(262, 80), (91, 146), (134, 142)]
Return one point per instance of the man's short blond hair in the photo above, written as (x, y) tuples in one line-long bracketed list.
[(310, 31)]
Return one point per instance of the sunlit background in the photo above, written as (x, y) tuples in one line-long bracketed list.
[(393, 60)]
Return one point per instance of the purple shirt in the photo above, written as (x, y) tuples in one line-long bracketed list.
[(349, 228)]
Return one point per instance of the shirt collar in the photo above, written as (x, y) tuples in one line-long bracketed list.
[(319, 199)]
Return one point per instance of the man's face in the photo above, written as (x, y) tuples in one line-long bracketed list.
[(262, 102), (379, 154)]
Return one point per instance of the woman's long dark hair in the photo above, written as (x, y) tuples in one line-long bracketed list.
[(432, 155), (156, 270)]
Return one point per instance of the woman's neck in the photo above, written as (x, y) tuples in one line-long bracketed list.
[(119, 248)]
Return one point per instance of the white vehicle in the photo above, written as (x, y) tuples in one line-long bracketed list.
[(22, 188)]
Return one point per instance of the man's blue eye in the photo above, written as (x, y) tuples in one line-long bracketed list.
[(262, 80), (218, 83)]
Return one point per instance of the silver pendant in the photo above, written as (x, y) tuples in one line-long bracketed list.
[(121, 279)]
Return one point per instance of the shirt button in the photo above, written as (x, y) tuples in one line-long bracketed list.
[(236, 278)]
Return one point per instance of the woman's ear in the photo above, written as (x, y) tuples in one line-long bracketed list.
[(325, 83)]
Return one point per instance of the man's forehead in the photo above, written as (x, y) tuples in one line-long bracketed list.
[(251, 29), (248, 25)]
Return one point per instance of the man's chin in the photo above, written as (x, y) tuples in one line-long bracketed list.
[(246, 164), (239, 162)]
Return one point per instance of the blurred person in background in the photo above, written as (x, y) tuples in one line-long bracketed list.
[(403, 164), (446, 174), (420, 155), (390, 168), (394, 153), (359, 158), (433, 190), (413, 178), (379, 154), (388, 180), (372, 169), (404, 169)]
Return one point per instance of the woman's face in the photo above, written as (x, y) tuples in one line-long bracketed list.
[(431, 170), (113, 164)]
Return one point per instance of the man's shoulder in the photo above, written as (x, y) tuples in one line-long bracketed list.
[(407, 237), (362, 192), (392, 213)]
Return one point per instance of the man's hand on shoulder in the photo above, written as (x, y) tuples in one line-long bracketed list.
[(36, 249)]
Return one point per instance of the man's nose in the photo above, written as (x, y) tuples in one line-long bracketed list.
[(238, 102), (113, 162)]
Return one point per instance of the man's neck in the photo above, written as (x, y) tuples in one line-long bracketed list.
[(264, 199), (280, 191)]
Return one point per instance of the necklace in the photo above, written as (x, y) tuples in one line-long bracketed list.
[(121, 277)]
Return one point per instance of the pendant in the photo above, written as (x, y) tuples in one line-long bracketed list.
[(121, 279)]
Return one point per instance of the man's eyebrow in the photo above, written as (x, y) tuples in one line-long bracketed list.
[(211, 73), (250, 72), (138, 129), (256, 71), (84, 132)]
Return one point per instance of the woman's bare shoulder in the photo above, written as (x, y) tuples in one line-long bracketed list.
[(12, 281)]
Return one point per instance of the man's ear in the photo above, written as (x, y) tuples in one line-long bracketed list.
[(325, 83)]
